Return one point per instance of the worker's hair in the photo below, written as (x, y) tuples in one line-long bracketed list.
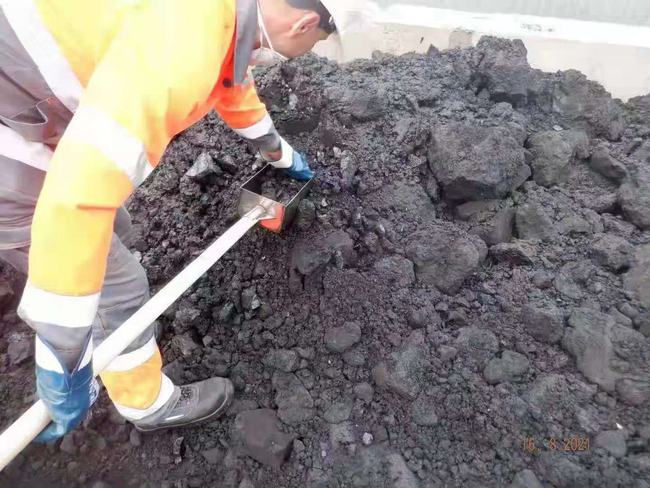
[(326, 22)]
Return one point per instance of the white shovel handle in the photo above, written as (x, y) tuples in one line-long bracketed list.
[(19, 434)]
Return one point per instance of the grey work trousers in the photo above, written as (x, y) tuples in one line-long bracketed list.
[(125, 288)]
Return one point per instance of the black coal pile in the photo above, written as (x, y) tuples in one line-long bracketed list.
[(279, 188), (464, 300)]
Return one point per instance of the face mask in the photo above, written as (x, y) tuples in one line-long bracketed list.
[(265, 55)]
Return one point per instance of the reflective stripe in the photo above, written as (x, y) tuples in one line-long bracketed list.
[(287, 156), (88, 355), (259, 129), (166, 391), (46, 359), (16, 147), (44, 51), (133, 359), (39, 305), (92, 126)]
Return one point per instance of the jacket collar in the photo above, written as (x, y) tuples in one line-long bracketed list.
[(245, 38)]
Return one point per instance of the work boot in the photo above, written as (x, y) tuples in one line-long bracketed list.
[(190, 404)]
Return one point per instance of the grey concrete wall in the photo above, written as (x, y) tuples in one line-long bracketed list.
[(633, 12)]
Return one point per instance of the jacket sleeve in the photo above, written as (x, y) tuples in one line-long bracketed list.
[(145, 88), (241, 108)]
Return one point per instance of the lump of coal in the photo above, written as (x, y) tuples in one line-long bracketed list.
[(552, 152), (634, 198), (610, 355), (338, 339), (546, 324), (404, 372), (602, 162), (637, 280), (612, 252), (505, 70), (258, 435), (203, 168), (584, 104), (444, 259), (491, 220), (473, 162), (279, 187), (507, 368)]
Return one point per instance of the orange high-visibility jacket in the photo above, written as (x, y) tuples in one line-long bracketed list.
[(134, 73)]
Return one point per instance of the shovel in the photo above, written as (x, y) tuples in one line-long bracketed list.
[(253, 208)]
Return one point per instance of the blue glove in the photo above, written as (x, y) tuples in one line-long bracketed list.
[(299, 169), (67, 396)]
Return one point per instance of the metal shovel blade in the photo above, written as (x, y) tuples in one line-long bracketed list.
[(279, 215)]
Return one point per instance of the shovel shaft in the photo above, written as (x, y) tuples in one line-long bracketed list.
[(19, 434)]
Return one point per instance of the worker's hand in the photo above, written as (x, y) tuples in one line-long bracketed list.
[(295, 165), (299, 169), (67, 396)]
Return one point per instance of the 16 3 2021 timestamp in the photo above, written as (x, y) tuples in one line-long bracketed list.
[(534, 445)]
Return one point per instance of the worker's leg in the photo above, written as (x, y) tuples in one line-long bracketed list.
[(20, 186), (16, 258), (134, 380)]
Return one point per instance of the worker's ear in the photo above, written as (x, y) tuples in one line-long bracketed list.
[(307, 23)]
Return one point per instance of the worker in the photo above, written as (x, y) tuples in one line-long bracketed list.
[(91, 93)]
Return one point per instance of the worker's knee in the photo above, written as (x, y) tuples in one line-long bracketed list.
[(126, 289)]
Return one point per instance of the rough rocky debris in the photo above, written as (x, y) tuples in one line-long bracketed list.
[(518, 253), (339, 411), (491, 220), (500, 261), (506, 368), (306, 214), (634, 197), (411, 201), (294, 402), (423, 411), (282, 360), (505, 73), (552, 153), (584, 104), (203, 168), (545, 323), (533, 221), (614, 357), (308, 256), (339, 339), (637, 280), (396, 271), (258, 435), (477, 344), (20, 350), (403, 373), (526, 479), (472, 162), (604, 163), (612, 252), (443, 259), (613, 441), (279, 188)]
